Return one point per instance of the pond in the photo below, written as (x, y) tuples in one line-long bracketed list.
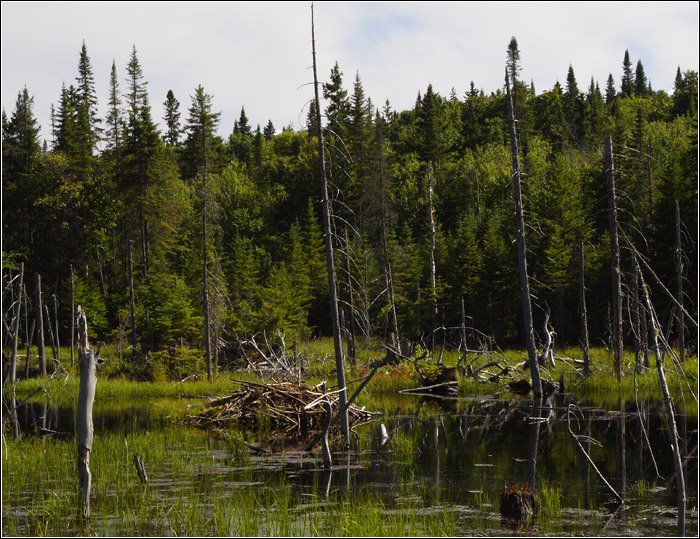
[(441, 471)]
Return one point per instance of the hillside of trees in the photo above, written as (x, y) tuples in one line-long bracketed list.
[(422, 200)]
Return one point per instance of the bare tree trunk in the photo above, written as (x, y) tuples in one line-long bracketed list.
[(39, 318), (679, 285), (668, 404), (463, 328), (101, 264), (30, 336), (522, 257), (55, 319), (351, 300), (614, 257), (132, 298), (330, 269), (636, 322), (431, 254), (51, 337), (83, 422), (15, 331), (205, 288), (72, 312), (582, 309), (387, 263), (144, 244), (645, 335)]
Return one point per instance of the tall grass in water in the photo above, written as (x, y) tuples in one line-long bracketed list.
[(197, 487)]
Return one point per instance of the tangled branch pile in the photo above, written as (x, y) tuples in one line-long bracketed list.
[(282, 404)]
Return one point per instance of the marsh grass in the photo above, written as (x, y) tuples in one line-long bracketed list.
[(189, 493), (550, 499)]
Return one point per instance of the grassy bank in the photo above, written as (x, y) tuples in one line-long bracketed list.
[(601, 386)]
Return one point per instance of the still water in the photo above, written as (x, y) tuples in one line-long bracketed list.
[(453, 455)]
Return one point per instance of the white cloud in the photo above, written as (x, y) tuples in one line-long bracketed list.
[(257, 55)]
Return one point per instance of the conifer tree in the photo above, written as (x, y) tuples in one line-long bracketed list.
[(172, 120), (641, 85), (573, 107), (200, 128), (610, 92), (86, 95), (269, 130), (627, 82), (114, 120)]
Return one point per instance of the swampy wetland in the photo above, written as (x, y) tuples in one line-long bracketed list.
[(439, 471)]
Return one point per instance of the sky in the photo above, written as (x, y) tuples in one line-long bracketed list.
[(257, 55)]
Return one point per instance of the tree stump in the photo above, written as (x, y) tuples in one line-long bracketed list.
[(83, 422), (518, 502)]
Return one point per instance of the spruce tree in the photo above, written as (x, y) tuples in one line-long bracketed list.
[(338, 109), (573, 107), (86, 95), (610, 92), (201, 131), (172, 120), (269, 130), (641, 85), (114, 120), (627, 82)]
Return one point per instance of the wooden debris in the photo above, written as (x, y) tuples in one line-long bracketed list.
[(283, 403)]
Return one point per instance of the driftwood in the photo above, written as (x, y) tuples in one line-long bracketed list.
[(286, 404)]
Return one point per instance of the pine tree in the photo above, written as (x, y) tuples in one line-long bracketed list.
[(626, 83), (172, 120)]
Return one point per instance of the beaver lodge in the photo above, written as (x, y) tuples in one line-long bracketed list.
[(292, 410)]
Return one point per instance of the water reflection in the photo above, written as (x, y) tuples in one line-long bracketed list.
[(458, 454)]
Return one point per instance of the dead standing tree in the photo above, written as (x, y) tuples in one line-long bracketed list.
[(83, 422), (678, 258), (15, 330), (39, 322), (330, 268), (522, 259), (614, 257)]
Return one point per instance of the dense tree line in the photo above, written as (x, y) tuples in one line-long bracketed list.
[(423, 194)]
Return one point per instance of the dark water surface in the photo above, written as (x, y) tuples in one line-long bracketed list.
[(459, 455)]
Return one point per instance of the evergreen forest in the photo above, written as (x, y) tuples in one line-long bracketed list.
[(165, 231)]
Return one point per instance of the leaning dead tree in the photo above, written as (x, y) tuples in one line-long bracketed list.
[(614, 256), (668, 403), (83, 422), (522, 259), (330, 268)]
